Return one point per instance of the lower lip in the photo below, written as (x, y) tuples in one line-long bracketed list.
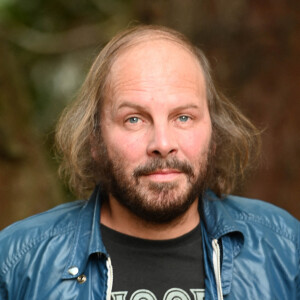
[(161, 177)]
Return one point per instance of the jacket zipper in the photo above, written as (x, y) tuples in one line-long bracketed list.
[(217, 267), (110, 277)]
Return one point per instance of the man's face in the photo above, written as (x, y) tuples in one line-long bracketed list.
[(156, 128)]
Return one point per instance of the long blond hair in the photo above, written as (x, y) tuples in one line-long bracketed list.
[(236, 140)]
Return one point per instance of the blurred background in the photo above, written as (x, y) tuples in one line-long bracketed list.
[(46, 48)]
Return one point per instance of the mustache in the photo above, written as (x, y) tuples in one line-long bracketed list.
[(160, 163)]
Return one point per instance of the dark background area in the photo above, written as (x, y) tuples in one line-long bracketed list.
[(46, 48)]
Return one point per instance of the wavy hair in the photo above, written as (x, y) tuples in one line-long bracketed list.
[(236, 140)]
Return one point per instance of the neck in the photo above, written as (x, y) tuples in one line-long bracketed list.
[(117, 217)]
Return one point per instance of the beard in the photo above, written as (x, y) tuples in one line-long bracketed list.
[(153, 202)]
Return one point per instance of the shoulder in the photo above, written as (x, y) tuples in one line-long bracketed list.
[(250, 216), (20, 238), (252, 212), (54, 220), (271, 245)]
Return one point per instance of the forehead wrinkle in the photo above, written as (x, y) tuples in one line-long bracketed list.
[(137, 85), (138, 79), (146, 83)]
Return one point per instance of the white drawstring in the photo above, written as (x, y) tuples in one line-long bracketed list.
[(217, 267), (109, 278)]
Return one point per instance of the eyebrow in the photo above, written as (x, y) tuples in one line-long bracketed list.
[(140, 107), (131, 105)]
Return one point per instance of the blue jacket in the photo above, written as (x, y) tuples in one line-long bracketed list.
[(251, 251)]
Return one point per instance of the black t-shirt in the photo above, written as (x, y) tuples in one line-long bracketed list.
[(156, 269)]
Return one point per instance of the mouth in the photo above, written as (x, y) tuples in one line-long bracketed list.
[(163, 175)]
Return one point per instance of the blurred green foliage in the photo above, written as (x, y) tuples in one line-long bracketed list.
[(47, 47), (54, 42)]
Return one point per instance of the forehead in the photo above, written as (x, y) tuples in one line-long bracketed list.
[(157, 61)]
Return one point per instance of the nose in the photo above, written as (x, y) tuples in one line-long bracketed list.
[(162, 142)]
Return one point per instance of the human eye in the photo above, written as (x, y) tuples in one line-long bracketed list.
[(184, 118), (133, 120)]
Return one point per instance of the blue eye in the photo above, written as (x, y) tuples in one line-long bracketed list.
[(133, 120), (183, 118)]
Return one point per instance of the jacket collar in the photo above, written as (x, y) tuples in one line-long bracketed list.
[(220, 223), (217, 218), (87, 237)]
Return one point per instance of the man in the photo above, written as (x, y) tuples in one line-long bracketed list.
[(162, 149)]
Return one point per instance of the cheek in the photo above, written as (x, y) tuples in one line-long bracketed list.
[(195, 144), (130, 149)]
